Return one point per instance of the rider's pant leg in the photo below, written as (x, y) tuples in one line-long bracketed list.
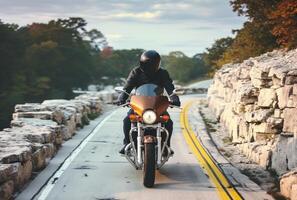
[(127, 127), (169, 127)]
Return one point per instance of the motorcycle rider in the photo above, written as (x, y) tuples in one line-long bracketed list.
[(149, 71)]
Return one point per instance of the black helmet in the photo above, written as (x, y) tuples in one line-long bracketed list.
[(150, 62)]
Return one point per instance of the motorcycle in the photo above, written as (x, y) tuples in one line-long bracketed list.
[(148, 149)]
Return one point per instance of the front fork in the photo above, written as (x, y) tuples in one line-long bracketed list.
[(138, 156), (139, 145), (159, 145)]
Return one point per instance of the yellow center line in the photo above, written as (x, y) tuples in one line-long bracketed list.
[(218, 178)]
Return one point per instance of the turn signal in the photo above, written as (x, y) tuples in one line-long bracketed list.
[(165, 118), (132, 117)]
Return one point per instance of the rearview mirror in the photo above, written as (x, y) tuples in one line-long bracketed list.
[(120, 90)]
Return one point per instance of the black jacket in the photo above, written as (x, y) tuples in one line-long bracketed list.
[(137, 78)]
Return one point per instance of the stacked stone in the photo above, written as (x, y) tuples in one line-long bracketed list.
[(37, 131), (257, 102)]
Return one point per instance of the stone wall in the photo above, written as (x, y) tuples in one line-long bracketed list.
[(37, 131), (257, 101)]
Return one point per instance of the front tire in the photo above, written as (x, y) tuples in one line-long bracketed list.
[(149, 168)]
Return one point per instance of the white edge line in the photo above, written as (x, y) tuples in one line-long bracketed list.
[(51, 183)]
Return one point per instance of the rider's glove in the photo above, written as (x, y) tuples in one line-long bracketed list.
[(175, 100), (122, 99)]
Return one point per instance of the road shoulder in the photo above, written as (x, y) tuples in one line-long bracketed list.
[(247, 188)]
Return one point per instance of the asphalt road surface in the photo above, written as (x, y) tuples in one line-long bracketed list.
[(89, 167), (99, 172)]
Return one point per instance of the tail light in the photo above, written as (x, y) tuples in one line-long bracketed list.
[(165, 118)]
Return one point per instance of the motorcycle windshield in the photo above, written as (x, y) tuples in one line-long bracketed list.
[(149, 90)]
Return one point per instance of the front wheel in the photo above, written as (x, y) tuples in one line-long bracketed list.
[(149, 167)]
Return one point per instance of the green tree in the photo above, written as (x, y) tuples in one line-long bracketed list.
[(44, 60), (120, 62), (215, 52), (182, 68)]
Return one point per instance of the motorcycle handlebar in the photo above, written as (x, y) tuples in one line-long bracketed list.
[(117, 104), (128, 104)]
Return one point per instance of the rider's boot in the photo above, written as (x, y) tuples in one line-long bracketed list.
[(122, 151)]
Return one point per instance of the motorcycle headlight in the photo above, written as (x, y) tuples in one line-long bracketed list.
[(149, 117)]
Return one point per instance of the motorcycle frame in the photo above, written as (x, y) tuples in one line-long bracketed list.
[(136, 159)]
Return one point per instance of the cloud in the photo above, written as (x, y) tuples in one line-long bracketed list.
[(134, 23), (135, 15), (155, 11), (171, 6)]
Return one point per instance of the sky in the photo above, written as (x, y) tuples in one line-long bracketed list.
[(189, 26)]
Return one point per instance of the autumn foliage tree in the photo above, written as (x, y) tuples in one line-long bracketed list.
[(271, 24), (279, 16), (284, 21)]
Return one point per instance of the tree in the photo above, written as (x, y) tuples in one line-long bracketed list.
[(215, 53), (182, 68), (256, 11), (279, 17), (120, 62), (250, 41), (284, 21), (43, 60)]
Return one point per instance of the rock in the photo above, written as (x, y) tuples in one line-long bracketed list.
[(23, 173), (259, 73), (217, 105), (34, 134), (256, 116), (266, 97), (286, 184), (277, 82), (261, 83), (279, 155), (50, 150), (37, 131), (244, 130), (47, 115), (38, 159), (277, 113), (265, 127), (290, 120), (6, 190), (14, 148), (278, 76), (246, 94), (6, 172), (258, 136), (283, 95), (294, 192), (257, 102), (51, 126), (264, 156), (291, 77), (29, 107)]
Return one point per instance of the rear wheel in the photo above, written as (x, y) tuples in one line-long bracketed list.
[(149, 167)]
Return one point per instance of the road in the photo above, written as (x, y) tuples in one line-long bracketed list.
[(95, 170), (99, 172)]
